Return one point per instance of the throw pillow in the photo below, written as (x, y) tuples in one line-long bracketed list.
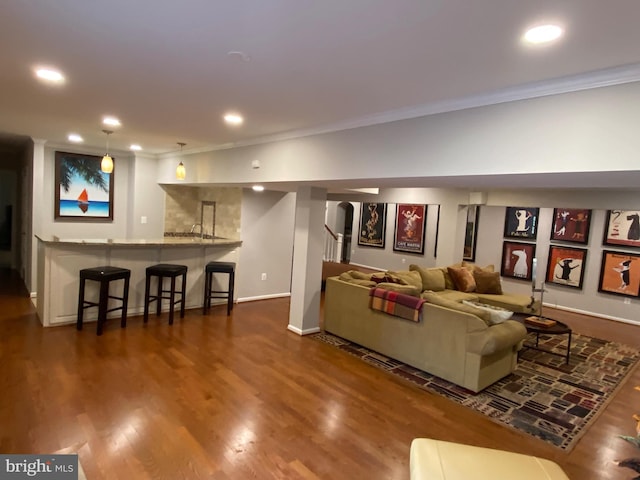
[(432, 278), (488, 282), (436, 299), (408, 278), (496, 314), (463, 279), (476, 268)]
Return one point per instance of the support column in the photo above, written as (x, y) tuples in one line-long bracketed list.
[(308, 248)]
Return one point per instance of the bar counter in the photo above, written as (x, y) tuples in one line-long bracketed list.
[(61, 259)]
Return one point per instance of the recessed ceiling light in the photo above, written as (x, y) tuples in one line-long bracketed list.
[(50, 75), (258, 188), (233, 119), (111, 121), (542, 34), (135, 147), (75, 138)]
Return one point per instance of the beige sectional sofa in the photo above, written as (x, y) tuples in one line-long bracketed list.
[(453, 341)]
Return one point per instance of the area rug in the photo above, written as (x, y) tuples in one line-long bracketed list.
[(544, 397)]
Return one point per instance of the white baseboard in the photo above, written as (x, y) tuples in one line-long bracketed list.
[(300, 332), (591, 314), (263, 297)]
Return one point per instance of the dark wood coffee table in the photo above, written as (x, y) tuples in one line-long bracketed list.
[(558, 329)]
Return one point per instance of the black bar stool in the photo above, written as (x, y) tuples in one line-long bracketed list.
[(162, 271), (209, 270), (104, 275)]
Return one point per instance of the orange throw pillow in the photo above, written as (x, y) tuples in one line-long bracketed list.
[(488, 282), (463, 279)]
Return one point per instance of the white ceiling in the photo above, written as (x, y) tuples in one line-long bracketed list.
[(163, 66)]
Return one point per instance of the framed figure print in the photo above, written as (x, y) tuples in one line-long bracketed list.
[(521, 222), (410, 228), (471, 233), (373, 220), (82, 190), (517, 260), (566, 266), (571, 225), (620, 273), (622, 227)]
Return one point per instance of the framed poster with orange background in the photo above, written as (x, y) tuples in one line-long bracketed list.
[(620, 273), (565, 266)]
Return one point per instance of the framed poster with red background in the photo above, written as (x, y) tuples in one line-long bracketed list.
[(410, 228)]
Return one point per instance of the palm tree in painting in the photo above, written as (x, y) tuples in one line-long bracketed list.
[(86, 168)]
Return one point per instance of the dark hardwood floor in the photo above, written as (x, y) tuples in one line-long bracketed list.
[(242, 397)]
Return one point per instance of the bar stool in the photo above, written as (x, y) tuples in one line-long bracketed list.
[(162, 271), (209, 270), (104, 275)]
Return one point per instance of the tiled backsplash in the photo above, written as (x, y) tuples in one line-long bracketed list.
[(183, 204)]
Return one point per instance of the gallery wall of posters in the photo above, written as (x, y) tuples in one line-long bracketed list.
[(571, 225), (622, 227), (410, 228), (373, 218), (566, 266), (521, 222)]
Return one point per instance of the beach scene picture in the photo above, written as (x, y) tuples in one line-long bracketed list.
[(83, 190)]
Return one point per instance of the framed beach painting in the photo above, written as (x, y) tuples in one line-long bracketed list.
[(620, 273), (566, 266), (82, 190), (571, 225), (521, 222), (373, 222), (410, 228), (471, 233), (622, 227), (517, 260)]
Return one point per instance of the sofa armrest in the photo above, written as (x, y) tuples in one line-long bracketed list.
[(497, 337)]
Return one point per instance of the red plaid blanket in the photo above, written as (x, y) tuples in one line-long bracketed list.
[(397, 304)]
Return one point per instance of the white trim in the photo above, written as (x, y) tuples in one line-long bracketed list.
[(263, 297), (591, 314), (308, 331)]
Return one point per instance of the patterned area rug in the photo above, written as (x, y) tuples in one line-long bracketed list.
[(544, 397)]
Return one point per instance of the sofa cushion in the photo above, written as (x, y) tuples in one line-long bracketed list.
[(406, 277), (455, 295), (487, 282), (436, 299), (496, 314), (400, 288), (354, 275), (511, 301), (463, 279), (432, 278)]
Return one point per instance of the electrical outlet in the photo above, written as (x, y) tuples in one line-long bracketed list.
[(404, 260), (263, 276), (627, 301), (143, 220)]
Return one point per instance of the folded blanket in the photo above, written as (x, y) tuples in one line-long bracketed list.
[(395, 303)]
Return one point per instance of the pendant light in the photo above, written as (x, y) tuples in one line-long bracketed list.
[(181, 172), (107, 162)]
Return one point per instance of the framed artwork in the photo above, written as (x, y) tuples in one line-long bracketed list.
[(620, 273), (521, 222), (571, 225), (566, 266), (82, 190), (517, 260), (471, 233), (622, 227), (410, 228), (373, 221)]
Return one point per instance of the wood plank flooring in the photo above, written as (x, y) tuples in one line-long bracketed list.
[(242, 397)]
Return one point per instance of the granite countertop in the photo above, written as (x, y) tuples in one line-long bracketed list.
[(132, 242)]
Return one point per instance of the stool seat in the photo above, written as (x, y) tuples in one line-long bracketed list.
[(438, 460), (162, 271), (104, 275), (209, 293)]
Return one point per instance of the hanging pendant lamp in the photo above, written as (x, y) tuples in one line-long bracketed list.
[(107, 162), (181, 172)]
